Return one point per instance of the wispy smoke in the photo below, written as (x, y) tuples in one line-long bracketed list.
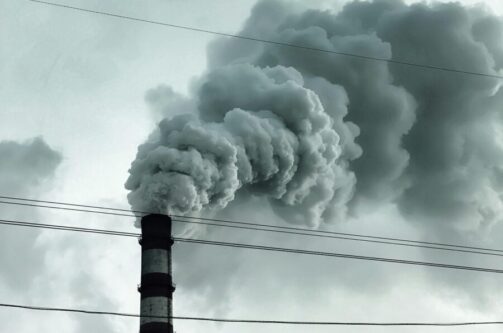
[(320, 134), (27, 165)]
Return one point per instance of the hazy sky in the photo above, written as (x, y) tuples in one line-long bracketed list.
[(72, 114)]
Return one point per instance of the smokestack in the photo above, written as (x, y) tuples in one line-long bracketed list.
[(156, 287)]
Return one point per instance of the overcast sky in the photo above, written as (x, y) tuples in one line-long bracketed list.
[(72, 115)]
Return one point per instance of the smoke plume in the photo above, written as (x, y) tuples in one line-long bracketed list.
[(320, 135), (27, 165), (258, 128)]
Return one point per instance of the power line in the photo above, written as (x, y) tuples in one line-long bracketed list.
[(66, 208), (269, 228), (278, 43), (68, 228), (250, 321), (339, 255), (258, 247), (274, 231), (78, 205), (347, 238)]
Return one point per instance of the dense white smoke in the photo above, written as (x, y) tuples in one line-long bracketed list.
[(319, 134)]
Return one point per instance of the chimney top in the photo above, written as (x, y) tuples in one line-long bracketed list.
[(157, 225)]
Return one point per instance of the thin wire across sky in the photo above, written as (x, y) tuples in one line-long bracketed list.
[(239, 225), (262, 227), (251, 321), (257, 247), (277, 43)]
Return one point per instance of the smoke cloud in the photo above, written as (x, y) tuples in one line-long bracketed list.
[(320, 135), (259, 129), (26, 166)]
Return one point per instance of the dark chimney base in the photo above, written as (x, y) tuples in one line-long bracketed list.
[(156, 328)]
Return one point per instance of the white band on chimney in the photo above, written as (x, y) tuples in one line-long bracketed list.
[(155, 307), (155, 261)]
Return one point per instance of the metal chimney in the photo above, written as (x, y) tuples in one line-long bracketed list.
[(156, 289)]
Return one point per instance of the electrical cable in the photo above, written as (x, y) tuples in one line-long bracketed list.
[(338, 255), (249, 321), (257, 247), (278, 43), (346, 238), (244, 225), (68, 228)]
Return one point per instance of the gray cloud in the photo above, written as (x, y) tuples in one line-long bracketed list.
[(24, 169), (423, 139), (426, 141), (165, 102), (455, 156), (32, 267)]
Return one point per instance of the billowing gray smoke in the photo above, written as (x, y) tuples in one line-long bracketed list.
[(318, 134), (258, 128)]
